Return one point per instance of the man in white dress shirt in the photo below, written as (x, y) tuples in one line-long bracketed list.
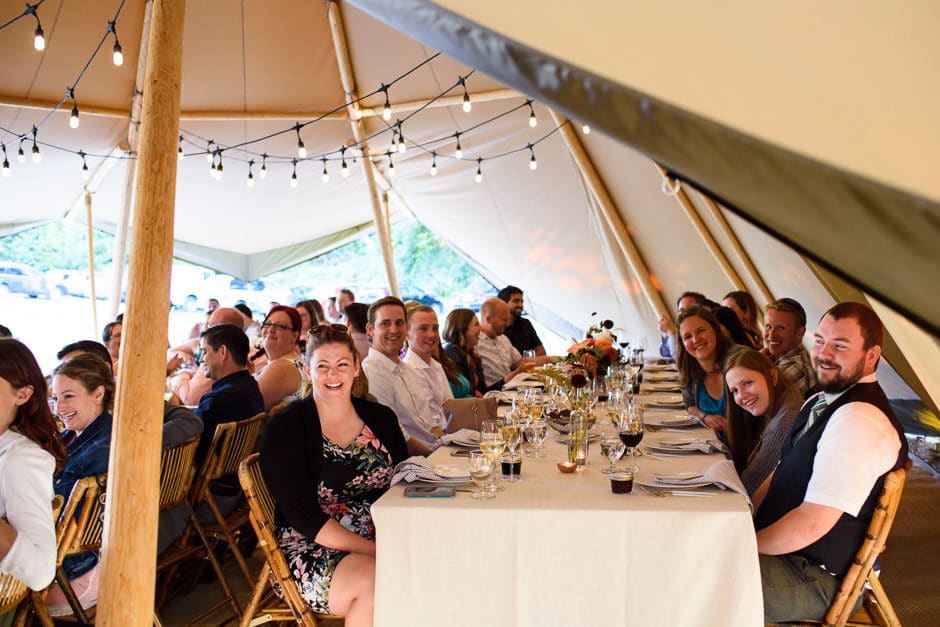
[(397, 384), (424, 338)]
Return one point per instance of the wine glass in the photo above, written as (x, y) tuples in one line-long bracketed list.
[(534, 405), (492, 445), (535, 433), (631, 432), (481, 471), (616, 405), (512, 435), (613, 448)]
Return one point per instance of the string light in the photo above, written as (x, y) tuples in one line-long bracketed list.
[(466, 96), (117, 54), (39, 38), (6, 162), (387, 107), (73, 118), (533, 121), (401, 140), (585, 129), (179, 152), (218, 168), (20, 155), (301, 149), (533, 164), (37, 158), (458, 151), (326, 175), (393, 146), (293, 177), (479, 175), (251, 177), (86, 173), (210, 155), (264, 165), (433, 163), (391, 164), (345, 166)]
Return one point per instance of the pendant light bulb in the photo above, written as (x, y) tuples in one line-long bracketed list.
[(117, 54), (345, 169), (86, 173), (20, 155), (251, 177), (6, 167), (533, 121), (479, 175), (179, 151), (73, 118), (37, 158), (326, 175), (294, 182), (466, 101), (585, 129), (433, 164), (39, 39), (264, 165), (533, 164), (301, 149), (391, 166), (387, 107), (458, 151)]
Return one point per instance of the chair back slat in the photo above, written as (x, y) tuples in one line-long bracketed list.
[(177, 469), (87, 498), (872, 546), (12, 593), (239, 440)]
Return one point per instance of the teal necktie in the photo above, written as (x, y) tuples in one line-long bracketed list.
[(818, 408)]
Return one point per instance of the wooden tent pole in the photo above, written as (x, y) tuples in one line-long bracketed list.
[(349, 86), (611, 216), (91, 266), (699, 225), (123, 221), (764, 292), (127, 579)]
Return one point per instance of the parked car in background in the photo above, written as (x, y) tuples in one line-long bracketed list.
[(66, 283), (415, 293), (18, 278)]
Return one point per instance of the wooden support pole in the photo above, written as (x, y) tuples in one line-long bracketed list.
[(126, 589), (611, 216), (91, 266), (349, 86), (699, 225), (764, 295)]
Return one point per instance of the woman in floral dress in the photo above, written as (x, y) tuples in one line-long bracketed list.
[(326, 459)]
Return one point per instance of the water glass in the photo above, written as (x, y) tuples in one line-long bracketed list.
[(481, 471)]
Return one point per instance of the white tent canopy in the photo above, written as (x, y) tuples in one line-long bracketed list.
[(828, 142)]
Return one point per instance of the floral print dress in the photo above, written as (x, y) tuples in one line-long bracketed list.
[(351, 479)]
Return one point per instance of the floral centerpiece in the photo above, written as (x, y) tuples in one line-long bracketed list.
[(597, 351)]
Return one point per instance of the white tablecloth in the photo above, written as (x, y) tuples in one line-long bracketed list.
[(561, 549)]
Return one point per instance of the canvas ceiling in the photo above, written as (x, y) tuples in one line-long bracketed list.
[(263, 66)]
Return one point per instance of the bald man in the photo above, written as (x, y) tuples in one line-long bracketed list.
[(190, 385), (501, 361)]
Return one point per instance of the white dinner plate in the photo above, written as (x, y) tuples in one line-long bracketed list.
[(681, 420), (671, 451), (667, 442), (676, 476), (689, 485), (452, 472)]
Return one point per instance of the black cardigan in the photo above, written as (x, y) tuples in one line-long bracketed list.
[(292, 451)]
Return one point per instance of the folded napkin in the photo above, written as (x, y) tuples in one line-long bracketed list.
[(661, 376), (721, 473), (660, 387), (463, 437), (418, 468), (523, 380), (664, 400), (502, 397), (698, 444)]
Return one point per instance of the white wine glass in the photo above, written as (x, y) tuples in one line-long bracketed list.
[(613, 448), (481, 471), (492, 445)]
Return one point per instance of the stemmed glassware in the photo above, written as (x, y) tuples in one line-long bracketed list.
[(613, 448), (616, 405), (481, 471), (492, 445), (512, 436), (631, 432), (535, 433)]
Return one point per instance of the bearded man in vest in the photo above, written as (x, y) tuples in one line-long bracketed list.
[(814, 510)]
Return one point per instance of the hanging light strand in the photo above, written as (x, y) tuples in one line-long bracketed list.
[(6, 162), (86, 173)]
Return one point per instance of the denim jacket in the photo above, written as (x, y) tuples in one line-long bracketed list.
[(87, 455)]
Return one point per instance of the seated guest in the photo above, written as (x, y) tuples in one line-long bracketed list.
[(461, 334), (357, 314), (333, 314), (761, 390), (700, 362), (111, 336), (199, 327), (251, 326), (179, 424), (500, 359), (460, 386), (731, 326), (742, 304), (814, 510), (397, 384), (423, 340), (309, 317), (190, 385), (283, 379), (520, 331), (345, 298), (326, 459), (30, 452), (784, 326), (83, 391), (668, 347)]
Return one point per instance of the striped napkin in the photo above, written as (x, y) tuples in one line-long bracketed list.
[(467, 438), (721, 473), (418, 468), (698, 444)]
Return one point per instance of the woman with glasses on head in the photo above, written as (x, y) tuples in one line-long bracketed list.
[(461, 334), (30, 452), (283, 379), (83, 391), (326, 459), (311, 315)]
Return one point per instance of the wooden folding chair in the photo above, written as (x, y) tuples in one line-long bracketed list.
[(81, 534), (876, 609), (261, 514), (30, 600), (177, 471)]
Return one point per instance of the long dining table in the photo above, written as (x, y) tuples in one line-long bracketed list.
[(561, 549)]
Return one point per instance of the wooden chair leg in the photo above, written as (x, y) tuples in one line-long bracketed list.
[(256, 595), (229, 538), (74, 603), (217, 568), (884, 605), (38, 602)]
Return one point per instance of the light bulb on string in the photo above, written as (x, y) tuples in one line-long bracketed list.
[(466, 96), (6, 162), (533, 121), (37, 158), (210, 154), (433, 163), (393, 146), (20, 155), (533, 164), (301, 149), (326, 175), (39, 37), (251, 177), (345, 166), (294, 182), (585, 129), (117, 54), (479, 175), (391, 165), (212, 166), (218, 169), (387, 107), (86, 173), (73, 117), (264, 165), (401, 140), (458, 151), (179, 152)]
